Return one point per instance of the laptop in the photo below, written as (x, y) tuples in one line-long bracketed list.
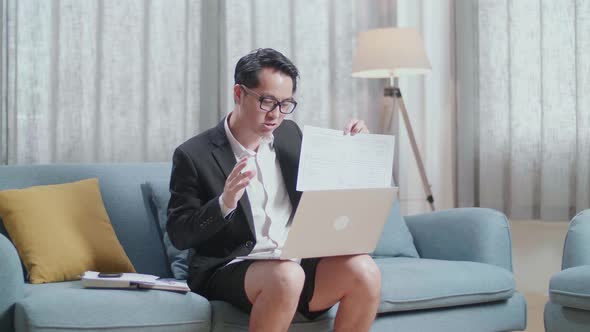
[(335, 223)]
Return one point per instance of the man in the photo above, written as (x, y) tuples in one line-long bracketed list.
[(233, 194)]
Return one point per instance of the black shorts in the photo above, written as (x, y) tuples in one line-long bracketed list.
[(228, 284)]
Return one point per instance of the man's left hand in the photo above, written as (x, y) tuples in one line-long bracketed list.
[(355, 126)]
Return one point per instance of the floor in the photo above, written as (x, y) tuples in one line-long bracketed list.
[(537, 248)]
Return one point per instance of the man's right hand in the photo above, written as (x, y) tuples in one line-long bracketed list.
[(236, 183)]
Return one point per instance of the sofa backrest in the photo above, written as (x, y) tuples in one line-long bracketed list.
[(128, 207)]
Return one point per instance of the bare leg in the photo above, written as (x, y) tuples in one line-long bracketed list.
[(273, 288), (355, 282)]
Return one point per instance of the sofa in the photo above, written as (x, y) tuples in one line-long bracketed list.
[(568, 308), (461, 281)]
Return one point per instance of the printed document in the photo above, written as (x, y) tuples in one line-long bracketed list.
[(330, 160)]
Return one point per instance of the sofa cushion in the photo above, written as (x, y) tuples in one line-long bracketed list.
[(67, 306), (396, 239), (159, 197), (564, 319), (62, 230), (571, 287), (414, 284)]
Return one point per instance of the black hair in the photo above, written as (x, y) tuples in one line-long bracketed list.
[(249, 66)]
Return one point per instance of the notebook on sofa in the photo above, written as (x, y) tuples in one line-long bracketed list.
[(93, 279)]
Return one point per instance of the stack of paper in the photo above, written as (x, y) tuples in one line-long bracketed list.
[(90, 279)]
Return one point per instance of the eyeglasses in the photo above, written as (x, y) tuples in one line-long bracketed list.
[(268, 104)]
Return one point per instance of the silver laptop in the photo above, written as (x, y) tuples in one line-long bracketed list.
[(334, 223)]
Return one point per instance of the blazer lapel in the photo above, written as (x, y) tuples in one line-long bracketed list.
[(226, 161), (289, 163)]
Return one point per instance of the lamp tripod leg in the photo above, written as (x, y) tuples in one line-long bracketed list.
[(387, 115), (389, 125), (425, 184)]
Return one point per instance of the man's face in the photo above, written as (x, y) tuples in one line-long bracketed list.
[(273, 84)]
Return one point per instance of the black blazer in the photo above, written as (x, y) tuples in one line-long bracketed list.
[(200, 168)]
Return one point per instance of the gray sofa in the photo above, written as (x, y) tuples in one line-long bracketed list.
[(568, 309), (462, 281)]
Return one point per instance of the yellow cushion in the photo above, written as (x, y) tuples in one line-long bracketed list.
[(62, 230)]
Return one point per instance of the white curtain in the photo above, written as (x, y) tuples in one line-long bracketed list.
[(431, 104), (523, 119), (108, 81), (118, 81)]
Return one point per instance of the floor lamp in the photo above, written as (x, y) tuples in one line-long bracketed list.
[(391, 53)]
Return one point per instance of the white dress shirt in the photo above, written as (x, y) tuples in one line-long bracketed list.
[(269, 200)]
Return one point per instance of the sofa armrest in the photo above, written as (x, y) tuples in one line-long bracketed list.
[(576, 250), (466, 234), (11, 283)]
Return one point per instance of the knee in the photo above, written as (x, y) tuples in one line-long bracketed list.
[(366, 275), (286, 280)]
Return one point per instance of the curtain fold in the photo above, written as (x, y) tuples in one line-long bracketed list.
[(100, 81), (431, 103), (3, 84), (525, 138)]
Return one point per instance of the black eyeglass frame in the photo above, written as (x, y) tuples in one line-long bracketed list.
[(276, 102)]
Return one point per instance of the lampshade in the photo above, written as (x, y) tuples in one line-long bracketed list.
[(390, 52)]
